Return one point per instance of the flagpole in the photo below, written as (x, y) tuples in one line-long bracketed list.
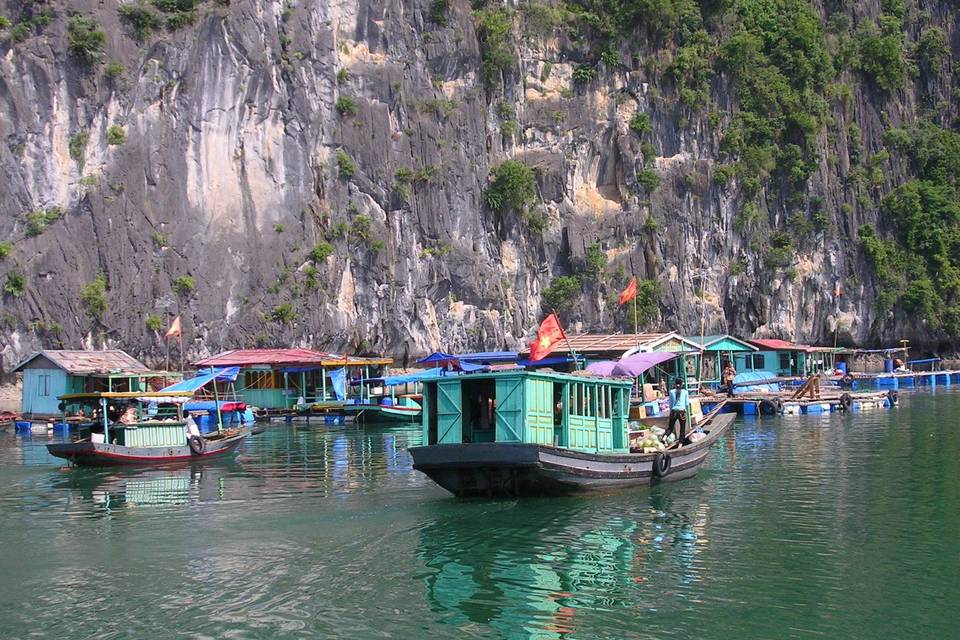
[(180, 340), (576, 361), (166, 359)]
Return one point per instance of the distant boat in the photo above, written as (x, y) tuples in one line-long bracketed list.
[(386, 409), (140, 428), (525, 433), (391, 398)]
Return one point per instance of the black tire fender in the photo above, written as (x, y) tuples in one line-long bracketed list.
[(847, 380), (197, 445), (771, 406), (846, 401), (661, 464), (894, 396)]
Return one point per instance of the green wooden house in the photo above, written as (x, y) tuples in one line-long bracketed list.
[(535, 407), (717, 349), (55, 372)]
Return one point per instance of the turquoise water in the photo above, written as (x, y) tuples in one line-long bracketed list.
[(835, 527)]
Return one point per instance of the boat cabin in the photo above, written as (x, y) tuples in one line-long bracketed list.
[(535, 407), (129, 419)]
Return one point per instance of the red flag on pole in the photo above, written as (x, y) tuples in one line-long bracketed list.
[(630, 292), (549, 334), (175, 329)]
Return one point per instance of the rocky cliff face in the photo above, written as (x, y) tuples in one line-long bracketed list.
[(314, 172)]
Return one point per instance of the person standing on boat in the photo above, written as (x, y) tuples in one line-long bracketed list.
[(678, 410)]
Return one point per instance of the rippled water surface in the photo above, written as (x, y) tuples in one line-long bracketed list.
[(835, 527)]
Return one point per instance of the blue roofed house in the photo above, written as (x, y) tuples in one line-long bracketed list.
[(54, 372)]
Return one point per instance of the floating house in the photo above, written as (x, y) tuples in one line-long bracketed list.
[(55, 372), (783, 358), (716, 350), (285, 378)]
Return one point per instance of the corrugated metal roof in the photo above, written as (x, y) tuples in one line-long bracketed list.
[(79, 362), (283, 357), (615, 342), (772, 344)]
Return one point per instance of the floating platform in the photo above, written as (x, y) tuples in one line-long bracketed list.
[(776, 403)]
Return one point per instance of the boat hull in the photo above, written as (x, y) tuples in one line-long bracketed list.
[(380, 413), (97, 454), (514, 470)]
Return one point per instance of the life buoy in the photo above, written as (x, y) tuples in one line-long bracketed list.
[(846, 401), (771, 406), (894, 396), (661, 464), (197, 445)]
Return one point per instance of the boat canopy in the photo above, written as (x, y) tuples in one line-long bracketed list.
[(393, 381), (191, 385), (631, 366), (146, 396), (458, 362)]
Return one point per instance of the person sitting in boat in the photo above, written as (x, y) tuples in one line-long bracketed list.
[(678, 410), (191, 428), (129, 416)]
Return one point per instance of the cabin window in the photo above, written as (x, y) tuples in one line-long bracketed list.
[(581, 399), (262, 380), (754, 361), (43, 384)]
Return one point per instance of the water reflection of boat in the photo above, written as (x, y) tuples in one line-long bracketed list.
[(564, 568), (150, 487)]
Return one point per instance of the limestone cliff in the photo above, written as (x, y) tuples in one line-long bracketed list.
[(315, 172)]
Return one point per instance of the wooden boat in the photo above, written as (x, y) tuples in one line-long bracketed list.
[(139, 428), (550, 434), (386, 409)]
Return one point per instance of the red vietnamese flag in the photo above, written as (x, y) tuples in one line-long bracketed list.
[(549, 334), (175, 329), (630, 292)]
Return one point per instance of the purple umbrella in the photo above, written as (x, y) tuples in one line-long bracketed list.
[(640, 363), (602, 368)]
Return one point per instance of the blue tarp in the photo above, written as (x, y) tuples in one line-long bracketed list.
[(490, 357), (748, 376), (338, 378), (190, 385), (391, 381)]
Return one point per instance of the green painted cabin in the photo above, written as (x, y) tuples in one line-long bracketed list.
[(521, 407)]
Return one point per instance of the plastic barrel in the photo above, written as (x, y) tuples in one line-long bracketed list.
[(888, 365), (842, 366), (21, 426)]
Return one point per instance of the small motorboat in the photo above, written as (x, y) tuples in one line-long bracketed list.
[(140, 428)]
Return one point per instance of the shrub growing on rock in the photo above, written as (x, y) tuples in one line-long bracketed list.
[(15, 284), (85, 40), (562, 294), (93, 297), (513, 187), (116, 135)]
